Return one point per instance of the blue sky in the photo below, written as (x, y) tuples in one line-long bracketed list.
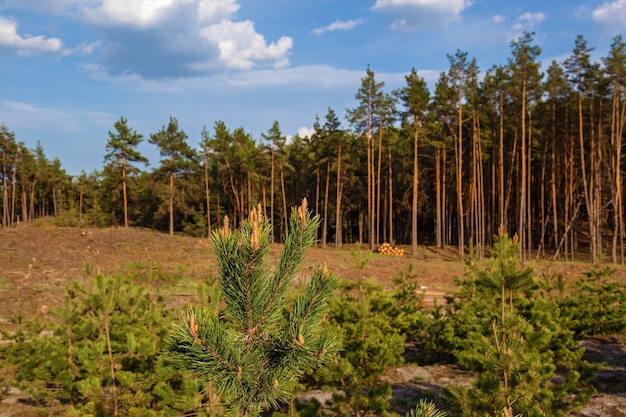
[(70, 68)]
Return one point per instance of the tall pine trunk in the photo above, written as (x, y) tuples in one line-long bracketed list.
[(207, 196), (415, 189), (171, 204), (338, 221), (325, 217), (524, 178), (459, 176), (124, 196)]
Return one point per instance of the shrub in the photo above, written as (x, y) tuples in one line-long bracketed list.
[(98, 354), (254, 360)]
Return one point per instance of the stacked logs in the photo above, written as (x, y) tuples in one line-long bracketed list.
[(387, 249)]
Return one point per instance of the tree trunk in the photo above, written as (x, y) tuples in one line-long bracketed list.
[(54, 200), (459, 176), (338, 221), (378, 179), (80, 204), (542, 239), (555, 222), (415, 188), (390, 212), (529, 176), (207, 196), (325, 216), (282, 186), (124, 194), (13, 188), (5, 192), (586, 185), (618, 114), (370, 182), (438, 200), (171, 204), (524, 178), (24, 205), (501, 218), (111, 364), (272, 194)]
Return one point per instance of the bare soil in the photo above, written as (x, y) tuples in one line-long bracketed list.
[(37, 261)]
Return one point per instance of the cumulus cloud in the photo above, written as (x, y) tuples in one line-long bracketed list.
[(241, 47), (339, 25), (174, 38), (421, 14), (161, 39), (306, 132), (216, 9), (25, 45), (611, 14), (139, 13)]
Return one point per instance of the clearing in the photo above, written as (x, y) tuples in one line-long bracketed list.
[(37, 261)]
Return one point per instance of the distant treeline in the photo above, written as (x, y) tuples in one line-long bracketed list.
[(538, 153)]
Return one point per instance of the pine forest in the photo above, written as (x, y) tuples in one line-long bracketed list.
[(505, 168), (534, 150)]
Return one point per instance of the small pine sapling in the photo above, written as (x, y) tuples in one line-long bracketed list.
[(256, 362), (514, 343)]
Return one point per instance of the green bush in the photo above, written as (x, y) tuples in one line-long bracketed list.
[(99, 354), (370, 345), (597, 306), (514, 342)]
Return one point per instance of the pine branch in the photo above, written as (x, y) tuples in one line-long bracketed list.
[(298, 239), (258, 362)]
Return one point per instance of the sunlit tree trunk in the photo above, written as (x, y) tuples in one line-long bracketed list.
[(171, 204), (124, 196), (207, 195), (416, 187), (338, 221), (325, 216), (390, 213), (438, 200), (272, 193)]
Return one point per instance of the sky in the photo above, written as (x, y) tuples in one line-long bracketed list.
[(69, 69)]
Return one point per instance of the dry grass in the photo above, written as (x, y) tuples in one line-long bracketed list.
[(36, 262)]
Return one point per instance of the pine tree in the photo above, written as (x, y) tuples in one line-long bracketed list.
[(364, 118), (255, 361), (415, 97), (122, 153), (514, 343), (178, 158)]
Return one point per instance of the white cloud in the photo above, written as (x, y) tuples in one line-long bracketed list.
[(421, 14), (306, 132), (339, 25), (527, 21), (241, 47), (498, 18), (148, 13), (25, 45), (180, 38), (156, 39), (612, 14), (216, 10)]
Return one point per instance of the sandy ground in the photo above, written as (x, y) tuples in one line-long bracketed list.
[(36, 262)]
